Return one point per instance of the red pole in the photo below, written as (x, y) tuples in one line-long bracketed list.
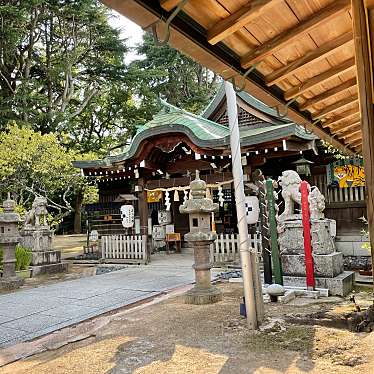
[(309, 265)]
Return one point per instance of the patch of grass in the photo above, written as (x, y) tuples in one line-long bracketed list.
[(363, 288), (294, 338)]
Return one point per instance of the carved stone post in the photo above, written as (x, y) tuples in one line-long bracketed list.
[(9, 238), (200, 236)]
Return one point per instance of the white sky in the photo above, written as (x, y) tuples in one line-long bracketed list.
[(129, 30)]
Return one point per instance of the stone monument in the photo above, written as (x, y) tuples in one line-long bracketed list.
[(37, 236), (200, 236), (9, 238), (328, 263)]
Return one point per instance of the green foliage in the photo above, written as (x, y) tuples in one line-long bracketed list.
[(62, 70), (35, 164), (23, 258), (365, 232), (90, 195), (164, 72)]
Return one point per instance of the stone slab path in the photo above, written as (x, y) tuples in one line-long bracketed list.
[(27, 314)]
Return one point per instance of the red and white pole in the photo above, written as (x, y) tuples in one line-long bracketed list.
[(309, 264)]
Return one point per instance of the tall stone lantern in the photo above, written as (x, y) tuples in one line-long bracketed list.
[(9, 238), (200, 236)]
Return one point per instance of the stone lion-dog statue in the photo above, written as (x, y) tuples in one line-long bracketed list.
[(37, 215), (290, 183)]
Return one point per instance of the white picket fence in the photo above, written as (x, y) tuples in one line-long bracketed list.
[(226, 248), (123, 248)]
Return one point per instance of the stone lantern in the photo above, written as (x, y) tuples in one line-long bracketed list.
[(200, 236), (9, 238)]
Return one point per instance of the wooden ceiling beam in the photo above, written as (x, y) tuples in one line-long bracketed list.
[(237, 20), (328, 94), (320, 78), (336, 106), (290, 36), (350, 134), (315, 55), (342, 117), (353, 138), (353, 126), (168, 5), (355, 143)]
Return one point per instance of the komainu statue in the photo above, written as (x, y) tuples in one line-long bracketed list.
[(37, 215), (316, 203), (290, 183)]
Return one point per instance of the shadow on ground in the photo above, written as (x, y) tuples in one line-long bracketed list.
[(172, 337)]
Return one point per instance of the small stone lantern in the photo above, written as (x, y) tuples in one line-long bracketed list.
[(200, 236), (9, 238)]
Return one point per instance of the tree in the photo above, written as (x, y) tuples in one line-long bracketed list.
[(62, 70), (35, 164), (164, 72)]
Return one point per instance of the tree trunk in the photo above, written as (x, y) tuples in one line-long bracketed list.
[(77, 213)]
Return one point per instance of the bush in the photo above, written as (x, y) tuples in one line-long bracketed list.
[(23, 258)]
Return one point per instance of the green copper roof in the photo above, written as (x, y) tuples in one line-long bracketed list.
[(201, 131), (247, 98)]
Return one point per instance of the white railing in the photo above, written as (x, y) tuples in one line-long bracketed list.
[(342, 195), (123, 248), (226, 248), (336, 194)]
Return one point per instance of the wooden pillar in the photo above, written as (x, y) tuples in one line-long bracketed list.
[(143, 211), (363, 42)]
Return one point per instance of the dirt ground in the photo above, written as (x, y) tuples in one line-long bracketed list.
[(172, 337), (69, 245)]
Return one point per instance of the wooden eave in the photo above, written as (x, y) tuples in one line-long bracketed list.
[(300, 51)]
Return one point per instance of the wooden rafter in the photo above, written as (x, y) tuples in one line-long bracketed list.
[(341, 118), (336, 106), (315, 55), (289, 36), (239, 19), (169, 4), (349, 135), (320, 78), (347, 128), (355, 143), (329, 94)]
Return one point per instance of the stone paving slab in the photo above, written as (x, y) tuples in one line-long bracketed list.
[(28, 314), (9, 334)]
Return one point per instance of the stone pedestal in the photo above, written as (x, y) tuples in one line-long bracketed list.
[(44, 260), (328, 264), (203, 292), (200, 237)]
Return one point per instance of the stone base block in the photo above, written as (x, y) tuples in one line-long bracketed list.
[(50, 268), (328, 266), (200, 296), (291, 239), (36, 238), (340, 285), (11, 283), (46, 257)]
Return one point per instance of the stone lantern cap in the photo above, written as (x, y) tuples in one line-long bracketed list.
[(199, 203), (9, 215)]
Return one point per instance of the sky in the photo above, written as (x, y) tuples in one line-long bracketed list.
[(129, 30)]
